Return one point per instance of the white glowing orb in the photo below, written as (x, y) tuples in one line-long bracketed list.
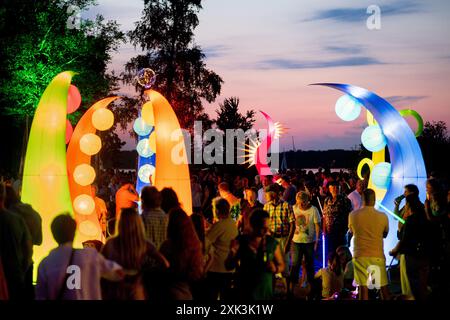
[(347, 108), (143, 148), (145, 172), (373, 138), (141, 127)]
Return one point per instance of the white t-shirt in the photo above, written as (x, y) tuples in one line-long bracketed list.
[(305, 220), (91, 267), (262, 196), (356, 200)]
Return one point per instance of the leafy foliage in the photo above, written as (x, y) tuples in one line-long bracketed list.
[(166, 33), (37, 45), (228, 116), (436, 132), (435, 145)]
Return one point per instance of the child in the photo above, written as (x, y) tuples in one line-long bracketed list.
[(332, 276)]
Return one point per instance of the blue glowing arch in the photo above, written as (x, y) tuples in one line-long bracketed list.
[(406, 158)]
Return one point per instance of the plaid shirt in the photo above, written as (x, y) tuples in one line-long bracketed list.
[(281, 216), (155, 222)]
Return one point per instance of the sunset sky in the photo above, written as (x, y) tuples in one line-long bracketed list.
[(268, 52)]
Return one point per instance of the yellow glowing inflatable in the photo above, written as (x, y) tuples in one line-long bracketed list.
[(45, 183)]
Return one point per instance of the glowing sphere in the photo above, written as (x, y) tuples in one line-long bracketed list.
[(141, 128), (90, 144), (373, 138), (69, 131), (102, 119), (381, 174), (84, 204), (147, 113), (88, 228), (73, 99), (143, 148), (145, 172), (146, 78), (84, 174), (347, 108)]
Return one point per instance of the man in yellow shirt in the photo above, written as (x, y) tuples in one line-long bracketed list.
[(369, 226)]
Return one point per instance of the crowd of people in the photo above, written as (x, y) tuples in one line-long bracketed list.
[(246, 235)]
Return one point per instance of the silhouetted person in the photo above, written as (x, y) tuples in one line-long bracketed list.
[(415, 249), (85, 266), (34, 223), (155, 219), (15, 250), (169, 200), (218, 239), (183, 250), (257, 257)]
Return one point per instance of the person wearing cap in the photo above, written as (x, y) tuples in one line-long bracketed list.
[(281, 221)]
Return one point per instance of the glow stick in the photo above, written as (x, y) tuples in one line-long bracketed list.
[(390, 212), (323, 235)]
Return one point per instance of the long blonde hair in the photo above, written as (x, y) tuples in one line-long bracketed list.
[(129, 243)]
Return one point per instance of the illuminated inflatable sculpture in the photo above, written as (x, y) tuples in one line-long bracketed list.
[(387, 127), (156, 128), (257, 150), (84, 144), (169, 173), (144, 127), (45, 181), (57, 180)]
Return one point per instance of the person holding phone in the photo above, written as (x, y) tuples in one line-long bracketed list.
[(404, 212)]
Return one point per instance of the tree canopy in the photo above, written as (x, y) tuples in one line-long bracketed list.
[(435, 144), (38, 43), (166, 34), (229, 117)]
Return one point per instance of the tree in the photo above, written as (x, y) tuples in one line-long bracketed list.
[(37, 44), (111, 146), (436, 132), (166, 33), (435, 144), (228, 116)]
